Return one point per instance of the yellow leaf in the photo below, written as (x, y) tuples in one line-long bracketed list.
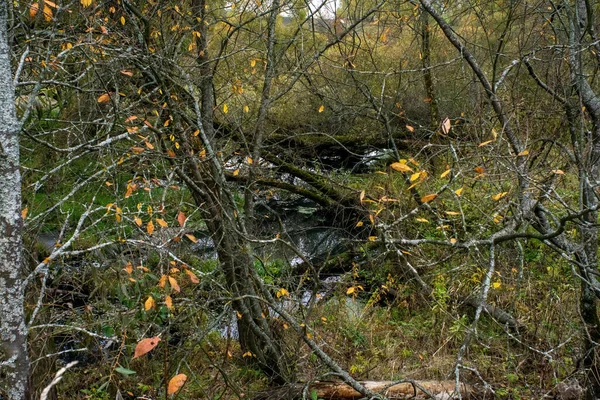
[(236, 172), (122, 20), (452, 240), (196, 132), (485, 143), (359, 224), (138, 221), (249, 160), (428, 198), (494, 133), (523, 153), (372, 238), (458, 191), (496, 284), (169, 302), (415, 176), (498, 196), (361, 196), (350, 290), (150, 228), (247, 354), (86, 3), (162, 222), (104, 98), (282, 292), (174, 284), (558, 171), (176, 383), (423, 220), (253, 63), (402, 167), (149, 303), (246, 109), (47, 13), (452, 213), (445, 173), (24, 213), (225, 108), (372, 219), (322, 108)]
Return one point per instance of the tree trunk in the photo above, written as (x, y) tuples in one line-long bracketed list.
[(12, 316)]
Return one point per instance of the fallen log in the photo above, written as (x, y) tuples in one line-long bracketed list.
[(343, 391)]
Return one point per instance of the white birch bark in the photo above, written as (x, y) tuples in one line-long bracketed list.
[(13, 332)]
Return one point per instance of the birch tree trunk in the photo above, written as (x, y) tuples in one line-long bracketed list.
[(12, 316)]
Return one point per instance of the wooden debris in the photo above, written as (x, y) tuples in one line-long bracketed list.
[(342, 391)]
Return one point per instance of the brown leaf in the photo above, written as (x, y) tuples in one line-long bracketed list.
[(181, 218), (145, 345), (176, 383)]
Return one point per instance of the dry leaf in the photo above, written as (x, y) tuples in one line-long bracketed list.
[(181, 218), (145, 345), (149, 303), (191, 237), (176, 383), (410, 128), (104, 98), (138, 221), (479, 170), (445, 173), (192, 276), (322, 108), (446, 126), (150, 228), (162, 222), (485, 143), (169, 302), (498, 196), (428, 198), (24, 212), (523, 153), (174, 284), (162, 281), (402, 167), (458, 191)]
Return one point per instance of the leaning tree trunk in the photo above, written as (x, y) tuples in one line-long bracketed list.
[(12, 316), (255, 329)]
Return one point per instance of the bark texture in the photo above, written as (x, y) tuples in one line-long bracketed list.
[(12, 317)]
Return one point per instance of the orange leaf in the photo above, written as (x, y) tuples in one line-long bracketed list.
[(485, 143), (24, 212), (138, 221), (191, 237), (132, 118), (181, 218), (169, 302), (104, 98), (162, 222), (162, 281), (428, 198), (150, 228), (150, 145), (174, 284), (127, 73), (145, 345), (128, 268), (149, 303), (33, 10), (479, 170), (410, 128), (192, 276)]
